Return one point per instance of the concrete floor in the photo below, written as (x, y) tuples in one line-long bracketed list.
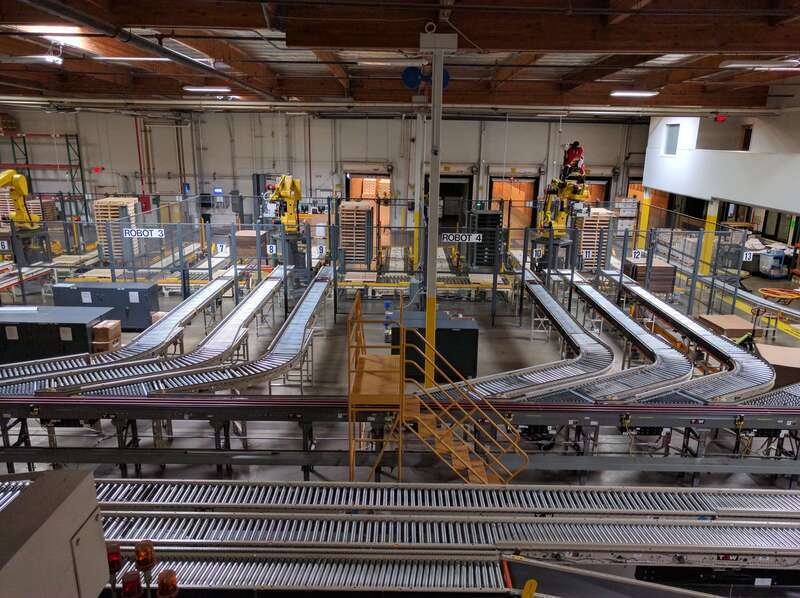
[(505, 346)]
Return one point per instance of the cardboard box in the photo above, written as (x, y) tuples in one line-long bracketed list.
[(106, 331), (105, 346), (155, 316)]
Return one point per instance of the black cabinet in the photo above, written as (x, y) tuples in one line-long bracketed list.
[(37, 332), (456, 341), (131, 302)]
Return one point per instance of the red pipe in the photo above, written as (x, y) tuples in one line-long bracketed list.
[(139, 153)]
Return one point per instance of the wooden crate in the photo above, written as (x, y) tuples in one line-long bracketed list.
[(590, 229), (355, 230), (111, 209)]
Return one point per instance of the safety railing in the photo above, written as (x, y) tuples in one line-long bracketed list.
[(469, 435)]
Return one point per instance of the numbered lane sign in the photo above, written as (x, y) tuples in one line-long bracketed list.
[(538, 254), (4, 245), (748, 256), (272, 249), (638, 254), (587, 254), (320, 251)]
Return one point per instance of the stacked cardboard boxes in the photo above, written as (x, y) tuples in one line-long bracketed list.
[(106, 336)]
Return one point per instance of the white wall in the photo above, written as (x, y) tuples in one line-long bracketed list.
[(229, 148), (750, 178)]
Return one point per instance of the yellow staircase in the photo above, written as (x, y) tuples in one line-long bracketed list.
[(453, 419)]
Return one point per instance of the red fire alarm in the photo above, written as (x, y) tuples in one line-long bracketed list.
[(97, 169), (720, 118)]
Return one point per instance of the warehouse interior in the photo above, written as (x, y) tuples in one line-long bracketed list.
[(477, 297)]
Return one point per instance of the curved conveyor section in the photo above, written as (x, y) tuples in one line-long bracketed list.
[(593, 356), (747, 375), (216, 347), (150, 342), (668, 365), (787, 396), (285, 351)]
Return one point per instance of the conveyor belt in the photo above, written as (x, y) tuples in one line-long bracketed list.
[(206, 495), (11, 489), (459, 533), (788, 396), (285, 351), (668, 365), (593, 356), (227, 335), (147, 343), (373, 573), (748, 374)]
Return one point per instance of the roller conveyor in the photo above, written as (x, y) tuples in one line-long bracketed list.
[(747, 375), (11, 489), (392, 573), (458, 533), (668, 365), (285, 351), (788, 396), (227, 335), (205, 495), (149, 342), (593, 356)]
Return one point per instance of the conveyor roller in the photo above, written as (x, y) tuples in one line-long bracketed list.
[(342, 496)]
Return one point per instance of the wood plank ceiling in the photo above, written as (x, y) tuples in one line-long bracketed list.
[(520, 52)]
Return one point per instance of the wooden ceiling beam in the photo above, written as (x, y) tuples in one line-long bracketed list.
[(509, 69), (148, 13), (510, 31), (602, 68), (632, 5), (331, 59)]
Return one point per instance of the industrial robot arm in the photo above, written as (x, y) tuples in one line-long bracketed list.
[(287, 194), (18, 187)]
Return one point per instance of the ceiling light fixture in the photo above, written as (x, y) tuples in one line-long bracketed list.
[(759, 64), (633, 93), (36, 59), (132, 58), (391, 62), (206, 89)]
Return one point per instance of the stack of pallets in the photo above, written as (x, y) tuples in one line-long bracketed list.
[(247, 245), (112, 210), (355, 236), (9, 126), (590, 228), (662, 274)]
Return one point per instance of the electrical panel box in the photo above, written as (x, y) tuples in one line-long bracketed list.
[(487, 223), (131, 302), (38, 332)]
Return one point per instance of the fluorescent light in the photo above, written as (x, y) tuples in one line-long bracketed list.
[(36, 59), (392, 62), (206, 89), (64, 35), (633, 93), (132, 58), (794, 69), (759, 64)]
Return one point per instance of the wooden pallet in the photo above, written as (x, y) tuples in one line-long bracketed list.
[(111, 209), (662, 274), (355, 223), (590, 229)]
